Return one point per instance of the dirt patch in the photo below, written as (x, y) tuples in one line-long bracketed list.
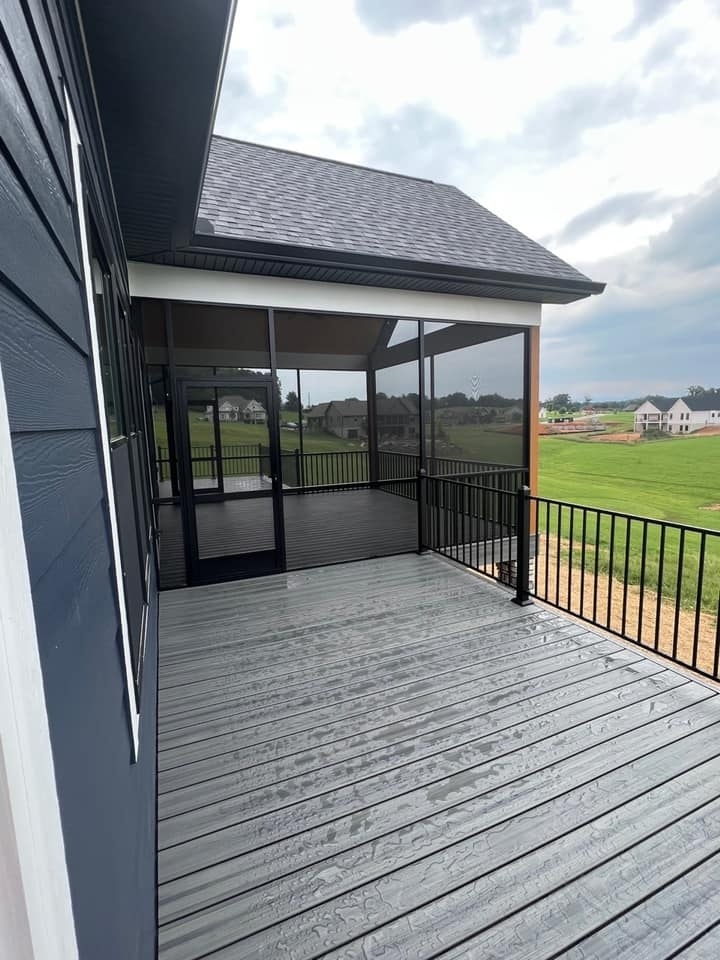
[(706, 432), (712, 506), (623, 609), (616, 438)]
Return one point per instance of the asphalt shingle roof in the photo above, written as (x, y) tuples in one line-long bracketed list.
[(702, 403), (318, 410), (349, 408), (262, 194), (662, 403)]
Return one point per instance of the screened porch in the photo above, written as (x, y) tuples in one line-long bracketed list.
[(292, 439)]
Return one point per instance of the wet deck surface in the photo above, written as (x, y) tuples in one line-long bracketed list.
[(389, 759), (320, 528)]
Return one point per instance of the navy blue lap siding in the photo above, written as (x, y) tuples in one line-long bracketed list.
[(107, 802)]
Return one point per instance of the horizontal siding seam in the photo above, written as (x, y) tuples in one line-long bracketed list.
[(22, 295), (51, 81), (62, 175), (40, 213), (93, 506)]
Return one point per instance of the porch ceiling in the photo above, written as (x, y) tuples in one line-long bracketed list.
[(217, 335), (389, 758)]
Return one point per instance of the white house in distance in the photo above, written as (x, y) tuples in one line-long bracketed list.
[(235, 409), (677, 414)]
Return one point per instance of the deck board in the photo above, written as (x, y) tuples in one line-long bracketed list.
[(320, 528), (403, 763)]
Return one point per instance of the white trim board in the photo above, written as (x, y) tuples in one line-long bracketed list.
[(134, 706), (36, 917), (237, 289)]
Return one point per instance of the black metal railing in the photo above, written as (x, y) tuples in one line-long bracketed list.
[(405, 466), (392, 463), (652, 582), (238, 459), (473, 524), (336, 467), (331, 468)]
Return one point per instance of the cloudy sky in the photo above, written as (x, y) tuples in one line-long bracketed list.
[(591, 126)]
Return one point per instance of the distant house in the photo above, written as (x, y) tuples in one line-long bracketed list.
[(693, 413), (677, 414), (347, 419), (397, 417), (314, 416), (239, 409), (652, 414)]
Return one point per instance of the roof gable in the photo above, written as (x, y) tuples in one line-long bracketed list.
[(661, 404), (258, 198)]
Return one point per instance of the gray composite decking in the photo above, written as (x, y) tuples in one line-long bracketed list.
[(320, 528), (390, 759)]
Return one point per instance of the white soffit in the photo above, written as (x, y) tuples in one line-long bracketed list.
[(237, 289)]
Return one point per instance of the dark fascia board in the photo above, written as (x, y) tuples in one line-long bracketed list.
[(344, 260)]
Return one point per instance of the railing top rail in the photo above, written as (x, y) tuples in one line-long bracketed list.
[(469, 486), (328, 453), (511, 471), (672, 524), (487, 463)]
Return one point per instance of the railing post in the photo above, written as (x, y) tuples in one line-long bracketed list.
[(160, 463), (522, 556), (298, 479), (420, 492)]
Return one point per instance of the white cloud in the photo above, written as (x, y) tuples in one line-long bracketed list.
[(580, 105)]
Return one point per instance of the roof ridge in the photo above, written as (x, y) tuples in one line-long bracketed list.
[(314, 156)]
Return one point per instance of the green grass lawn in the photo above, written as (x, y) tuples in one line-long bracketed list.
[(478, 442), (676, 480), (619, 422), (248, 433), (673, 480)]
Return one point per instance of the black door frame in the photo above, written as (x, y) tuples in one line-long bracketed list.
[(236, 566)]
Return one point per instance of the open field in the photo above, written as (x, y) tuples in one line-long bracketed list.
[(241, 433), (476, 442), (619, 422), (676, 481), (479, 442), (641, 616)]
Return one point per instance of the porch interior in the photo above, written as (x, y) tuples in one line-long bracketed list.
[(360, 404), (389, 758)]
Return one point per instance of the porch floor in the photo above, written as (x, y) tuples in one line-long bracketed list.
[(320, 528), (390, 759)]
